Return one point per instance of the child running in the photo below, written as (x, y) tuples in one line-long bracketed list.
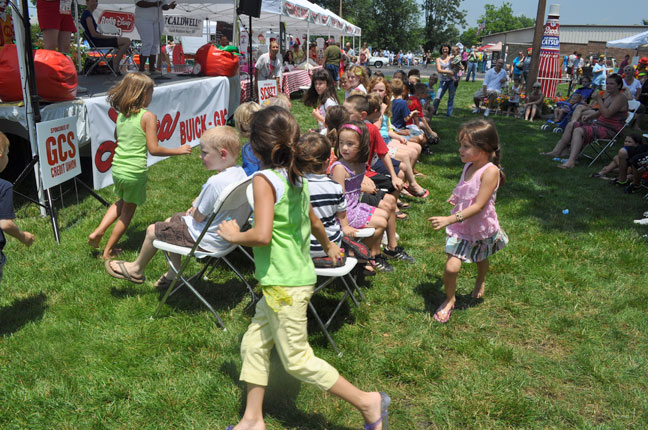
[(473, 230), (7, 215), (136, 132), (321, 95), (280, 237)]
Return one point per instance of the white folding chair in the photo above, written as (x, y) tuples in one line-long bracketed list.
[(331, 274), (231, 198), (599, 147)]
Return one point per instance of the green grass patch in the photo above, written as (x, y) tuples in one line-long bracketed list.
[(559, 342)]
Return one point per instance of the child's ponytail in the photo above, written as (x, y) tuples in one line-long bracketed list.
[(273, 132), (496, 161)]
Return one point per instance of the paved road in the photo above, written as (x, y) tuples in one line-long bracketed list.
[(425, 72)]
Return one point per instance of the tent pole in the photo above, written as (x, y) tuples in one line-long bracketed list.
[(236, 30), (78, 39), (32, 108)]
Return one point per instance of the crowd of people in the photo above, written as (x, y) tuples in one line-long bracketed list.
[(314, 190)]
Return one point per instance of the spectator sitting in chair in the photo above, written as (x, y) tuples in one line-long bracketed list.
[(100, 40), (610, 118)]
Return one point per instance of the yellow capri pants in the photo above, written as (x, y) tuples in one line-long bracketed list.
[(287, 331)]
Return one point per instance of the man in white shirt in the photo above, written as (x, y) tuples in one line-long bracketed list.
[(493, 81)]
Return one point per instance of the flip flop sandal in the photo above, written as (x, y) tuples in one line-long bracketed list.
[(421, 195), (402, 205), (402, 216), (123, 273), (163, 283), (438, 315), (385, 400)]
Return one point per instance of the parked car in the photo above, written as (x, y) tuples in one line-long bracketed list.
[(378, 62)]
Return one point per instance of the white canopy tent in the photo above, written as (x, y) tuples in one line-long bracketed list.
[(632, 42), (298, 15)]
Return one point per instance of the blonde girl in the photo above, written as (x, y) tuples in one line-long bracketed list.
[(280, 237), (473, 230), (399, 146), (357, 80), (136, 134)]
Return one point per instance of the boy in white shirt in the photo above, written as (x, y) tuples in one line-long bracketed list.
[(219, 150)]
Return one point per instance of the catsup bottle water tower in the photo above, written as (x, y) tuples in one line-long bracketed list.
[(549, 71)]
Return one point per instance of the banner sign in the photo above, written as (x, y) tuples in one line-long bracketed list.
[(295, 11), (174, 25), (179, 25), (59, 151), (184, 111), (267, 89), (122, 20), (549, 67)]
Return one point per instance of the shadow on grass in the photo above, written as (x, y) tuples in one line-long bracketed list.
[(281, 397), (21, 312), (220, 295), (325, 305), (433, 295)]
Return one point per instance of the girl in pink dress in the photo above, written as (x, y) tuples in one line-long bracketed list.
[(473, 231)]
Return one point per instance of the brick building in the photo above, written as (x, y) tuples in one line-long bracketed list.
[(589, 40)]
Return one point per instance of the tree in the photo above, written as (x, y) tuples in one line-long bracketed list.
[(441, 20), (469, 37), (644, 22), (383, 22), (500, 19)]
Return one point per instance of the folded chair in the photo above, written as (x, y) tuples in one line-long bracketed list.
[(232, 197), (599, 147), (330, 275)]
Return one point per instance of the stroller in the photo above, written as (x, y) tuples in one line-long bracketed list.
[(559, 127)]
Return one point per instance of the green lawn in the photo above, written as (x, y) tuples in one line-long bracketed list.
[(560, 341)]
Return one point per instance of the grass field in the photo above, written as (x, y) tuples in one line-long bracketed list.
[(560, 341)]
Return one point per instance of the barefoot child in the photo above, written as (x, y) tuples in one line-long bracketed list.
[(219, 149), (473, 230), (280, 237), (136, 133), (7, 215)]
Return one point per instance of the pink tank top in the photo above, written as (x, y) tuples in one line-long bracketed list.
[(482, 225)]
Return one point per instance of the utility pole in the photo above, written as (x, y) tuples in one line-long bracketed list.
[(537, 41)]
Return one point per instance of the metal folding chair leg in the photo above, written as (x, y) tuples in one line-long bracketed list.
[(173, 288)]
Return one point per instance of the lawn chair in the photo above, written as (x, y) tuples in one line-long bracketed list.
[(599, 146), (331, 274), (232, 197), (102, 55)]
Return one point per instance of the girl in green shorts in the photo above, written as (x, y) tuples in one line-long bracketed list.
[(135, 133)]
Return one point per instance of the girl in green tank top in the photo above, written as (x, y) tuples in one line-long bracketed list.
[(283, 221), (136, 135)]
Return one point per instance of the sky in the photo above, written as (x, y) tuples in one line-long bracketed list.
[(602, 12)]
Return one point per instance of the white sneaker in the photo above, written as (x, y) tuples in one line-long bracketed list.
[(641, 221), (81, 90), (476, 110), (487, 112)]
